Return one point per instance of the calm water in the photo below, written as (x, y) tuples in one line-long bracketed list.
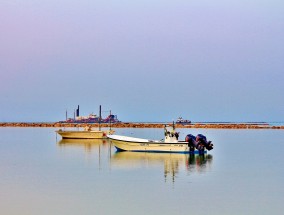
[(41, 174)]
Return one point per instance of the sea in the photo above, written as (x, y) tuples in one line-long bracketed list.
[(41, 174)]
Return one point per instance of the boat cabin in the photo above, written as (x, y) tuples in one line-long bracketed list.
[(171, 136)]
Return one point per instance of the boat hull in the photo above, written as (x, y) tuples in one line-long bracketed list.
[(142, 145), (82, 134)]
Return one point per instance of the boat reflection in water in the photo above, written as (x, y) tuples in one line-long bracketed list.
[(88, 144), (199, 163), (102, 153), (173, 163), (95, 152)]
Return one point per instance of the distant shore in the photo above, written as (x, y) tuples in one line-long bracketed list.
[(145, 125)]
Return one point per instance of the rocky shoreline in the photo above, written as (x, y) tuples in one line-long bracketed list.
[(144, 125)]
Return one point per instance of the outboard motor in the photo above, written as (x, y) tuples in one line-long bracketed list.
[(199, 142), (203, 143), (191, 142)]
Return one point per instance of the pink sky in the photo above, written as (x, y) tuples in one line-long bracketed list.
[(216, 61)]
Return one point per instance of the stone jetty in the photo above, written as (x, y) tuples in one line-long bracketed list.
[(144, 125)]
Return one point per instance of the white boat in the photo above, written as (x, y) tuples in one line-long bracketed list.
[(169, 144), (88, 133)]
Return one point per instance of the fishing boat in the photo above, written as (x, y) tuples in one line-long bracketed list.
[(182, 121), (87, 133), (170, 143)]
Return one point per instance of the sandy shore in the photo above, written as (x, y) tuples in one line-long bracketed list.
[(145, 125)]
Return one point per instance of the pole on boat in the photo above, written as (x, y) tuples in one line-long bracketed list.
[(66, 116), (100, 117)]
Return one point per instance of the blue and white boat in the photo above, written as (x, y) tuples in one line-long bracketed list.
[(170, 143)]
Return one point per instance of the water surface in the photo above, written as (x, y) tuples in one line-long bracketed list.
[(42, 174)]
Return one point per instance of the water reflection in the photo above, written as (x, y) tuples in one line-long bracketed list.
[(173, 164), (88, 144), (199, 163), (97, 151)]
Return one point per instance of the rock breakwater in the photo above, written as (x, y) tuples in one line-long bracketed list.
[(144, 125)]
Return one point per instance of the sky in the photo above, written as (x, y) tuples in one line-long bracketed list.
[(145, 60)]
